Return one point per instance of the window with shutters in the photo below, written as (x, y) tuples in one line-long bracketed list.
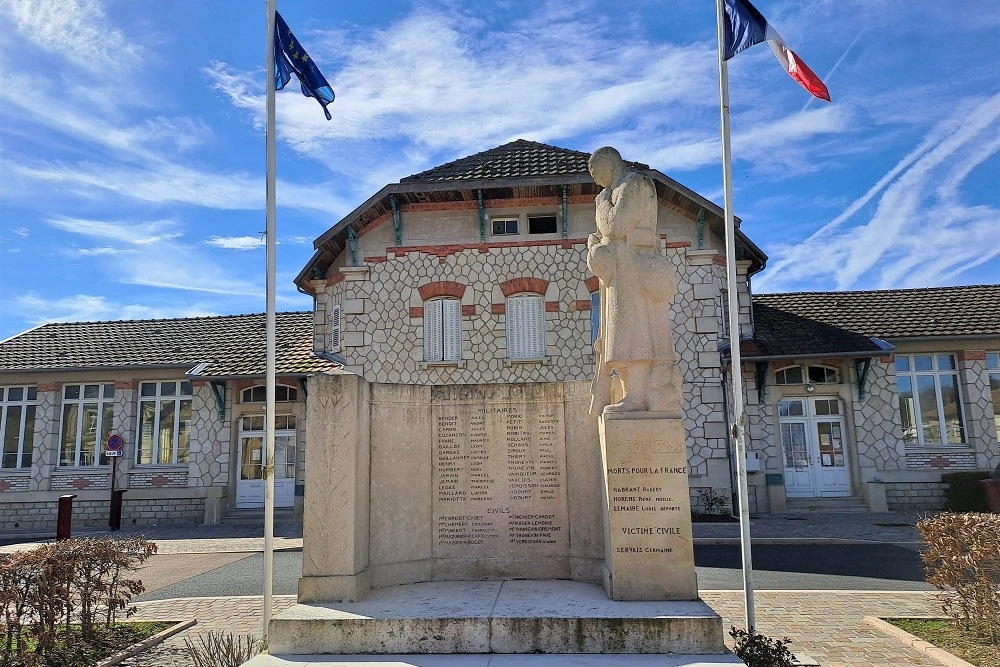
[(442, 330), (525, 326), (335, 328)]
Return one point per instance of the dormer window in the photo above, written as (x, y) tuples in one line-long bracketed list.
[(258, 394), (816, 374)]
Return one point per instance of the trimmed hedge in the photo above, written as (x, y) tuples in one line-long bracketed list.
[(963, 493)]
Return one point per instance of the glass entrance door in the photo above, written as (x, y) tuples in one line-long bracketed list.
[(250, 479), (814, 448)]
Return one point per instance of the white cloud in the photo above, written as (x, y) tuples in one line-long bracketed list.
[(100, 252), (76, 29), (235, 242), (920, 231), (90, 308), (135, 233), (158, 259)]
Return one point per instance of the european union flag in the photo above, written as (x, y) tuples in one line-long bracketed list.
[(289, 56)]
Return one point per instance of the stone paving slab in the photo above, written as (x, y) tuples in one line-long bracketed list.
[(829, 626)]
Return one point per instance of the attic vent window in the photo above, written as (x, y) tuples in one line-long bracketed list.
[(504, 226), (542, 224)]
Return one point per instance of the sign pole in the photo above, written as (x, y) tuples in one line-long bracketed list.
[(738, 434), (269, 141)]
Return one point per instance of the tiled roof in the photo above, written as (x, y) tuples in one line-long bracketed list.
[(230, 345), (518, 159), (972, 310), (778, 333)]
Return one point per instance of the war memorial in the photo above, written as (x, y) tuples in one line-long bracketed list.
[(514, 518)]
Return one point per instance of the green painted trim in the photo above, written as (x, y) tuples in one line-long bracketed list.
[(397, 220), (482, 217), (565, 214), (352, 241), (219, 389), (701, 228), (761, 380), (863, 366)]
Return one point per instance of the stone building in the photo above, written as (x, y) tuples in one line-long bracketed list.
[(185, 395), (461, 291), (474, 273), (932, 405)]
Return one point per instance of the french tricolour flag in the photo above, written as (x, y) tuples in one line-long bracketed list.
[(745, 26)]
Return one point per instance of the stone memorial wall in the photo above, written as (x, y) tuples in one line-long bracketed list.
[(499, 472)]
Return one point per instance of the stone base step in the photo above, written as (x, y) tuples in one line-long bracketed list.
[(522, 616), (256, 515), (796, 505), (495, 660)]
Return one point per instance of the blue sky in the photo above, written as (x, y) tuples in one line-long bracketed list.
[(132, 147)]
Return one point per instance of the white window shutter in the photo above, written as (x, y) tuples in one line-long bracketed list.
[(535, 327), (335, 327), (451, 327), (525, 327), (433, 347), (513, 312)]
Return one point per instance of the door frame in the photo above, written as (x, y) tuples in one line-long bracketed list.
[(811, 419), (284, 491)]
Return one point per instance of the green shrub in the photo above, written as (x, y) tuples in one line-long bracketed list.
[(962, 561), (758, 650), (963, 493)]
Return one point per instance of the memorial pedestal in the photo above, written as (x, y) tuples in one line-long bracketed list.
[(649, 550)]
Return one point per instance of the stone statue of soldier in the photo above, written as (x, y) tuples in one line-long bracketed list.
[(636, 361)]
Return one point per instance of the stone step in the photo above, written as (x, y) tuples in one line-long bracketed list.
[(537, 616), (798, 505), (255, 515), (495, 660)]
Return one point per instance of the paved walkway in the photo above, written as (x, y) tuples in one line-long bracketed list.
[(826, 625)]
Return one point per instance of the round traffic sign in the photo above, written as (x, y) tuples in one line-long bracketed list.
[(115, 442)]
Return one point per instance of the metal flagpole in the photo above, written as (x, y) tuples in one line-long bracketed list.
[(271, 264), (739, 418)]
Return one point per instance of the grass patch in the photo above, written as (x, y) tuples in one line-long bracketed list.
[(73, 651), (946, 635)]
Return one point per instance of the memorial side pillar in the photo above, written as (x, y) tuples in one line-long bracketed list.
[(649, 547)]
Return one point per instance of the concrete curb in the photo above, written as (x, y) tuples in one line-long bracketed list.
[(135, 649), (927, 648)]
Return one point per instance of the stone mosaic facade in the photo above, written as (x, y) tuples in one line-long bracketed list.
[(196, 491)]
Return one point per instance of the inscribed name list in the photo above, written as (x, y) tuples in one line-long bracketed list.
[(649, 511), (499, 473)]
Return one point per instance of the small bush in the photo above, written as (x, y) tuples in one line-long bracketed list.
[(714, 503), (58, 597), (963, 493), (962, 560), (758, 650), (222, 649)]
